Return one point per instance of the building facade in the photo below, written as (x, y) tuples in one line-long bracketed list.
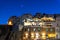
[(38, 20)]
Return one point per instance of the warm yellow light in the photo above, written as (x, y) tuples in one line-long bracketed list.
[(47, 18), (51, 35), (32, 33), (10, 23), (37, 35), (44, 18), (41, 23), (27, 23), (50, 18), (43, 34), (43, 37), (32, 36), (26, 34), (33, 23)]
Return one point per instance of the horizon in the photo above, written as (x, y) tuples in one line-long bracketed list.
[(26, 13)]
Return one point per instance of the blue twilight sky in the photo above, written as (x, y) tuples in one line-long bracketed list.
[(18, 7)]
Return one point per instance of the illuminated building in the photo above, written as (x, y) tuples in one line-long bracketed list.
[(43, 22)]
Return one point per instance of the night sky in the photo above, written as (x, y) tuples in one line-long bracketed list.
[(18, 7)]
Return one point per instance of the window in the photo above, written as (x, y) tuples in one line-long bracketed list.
[(47, 29), (39, 29), (34, 29), (51, 30)]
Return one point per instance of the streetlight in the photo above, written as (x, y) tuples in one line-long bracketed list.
[(10, 23)]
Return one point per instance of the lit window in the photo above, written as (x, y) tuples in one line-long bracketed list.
[(34, 29), (28, 29), (33, 23)]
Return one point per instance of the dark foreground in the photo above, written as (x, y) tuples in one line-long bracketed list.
[(14, 37)]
